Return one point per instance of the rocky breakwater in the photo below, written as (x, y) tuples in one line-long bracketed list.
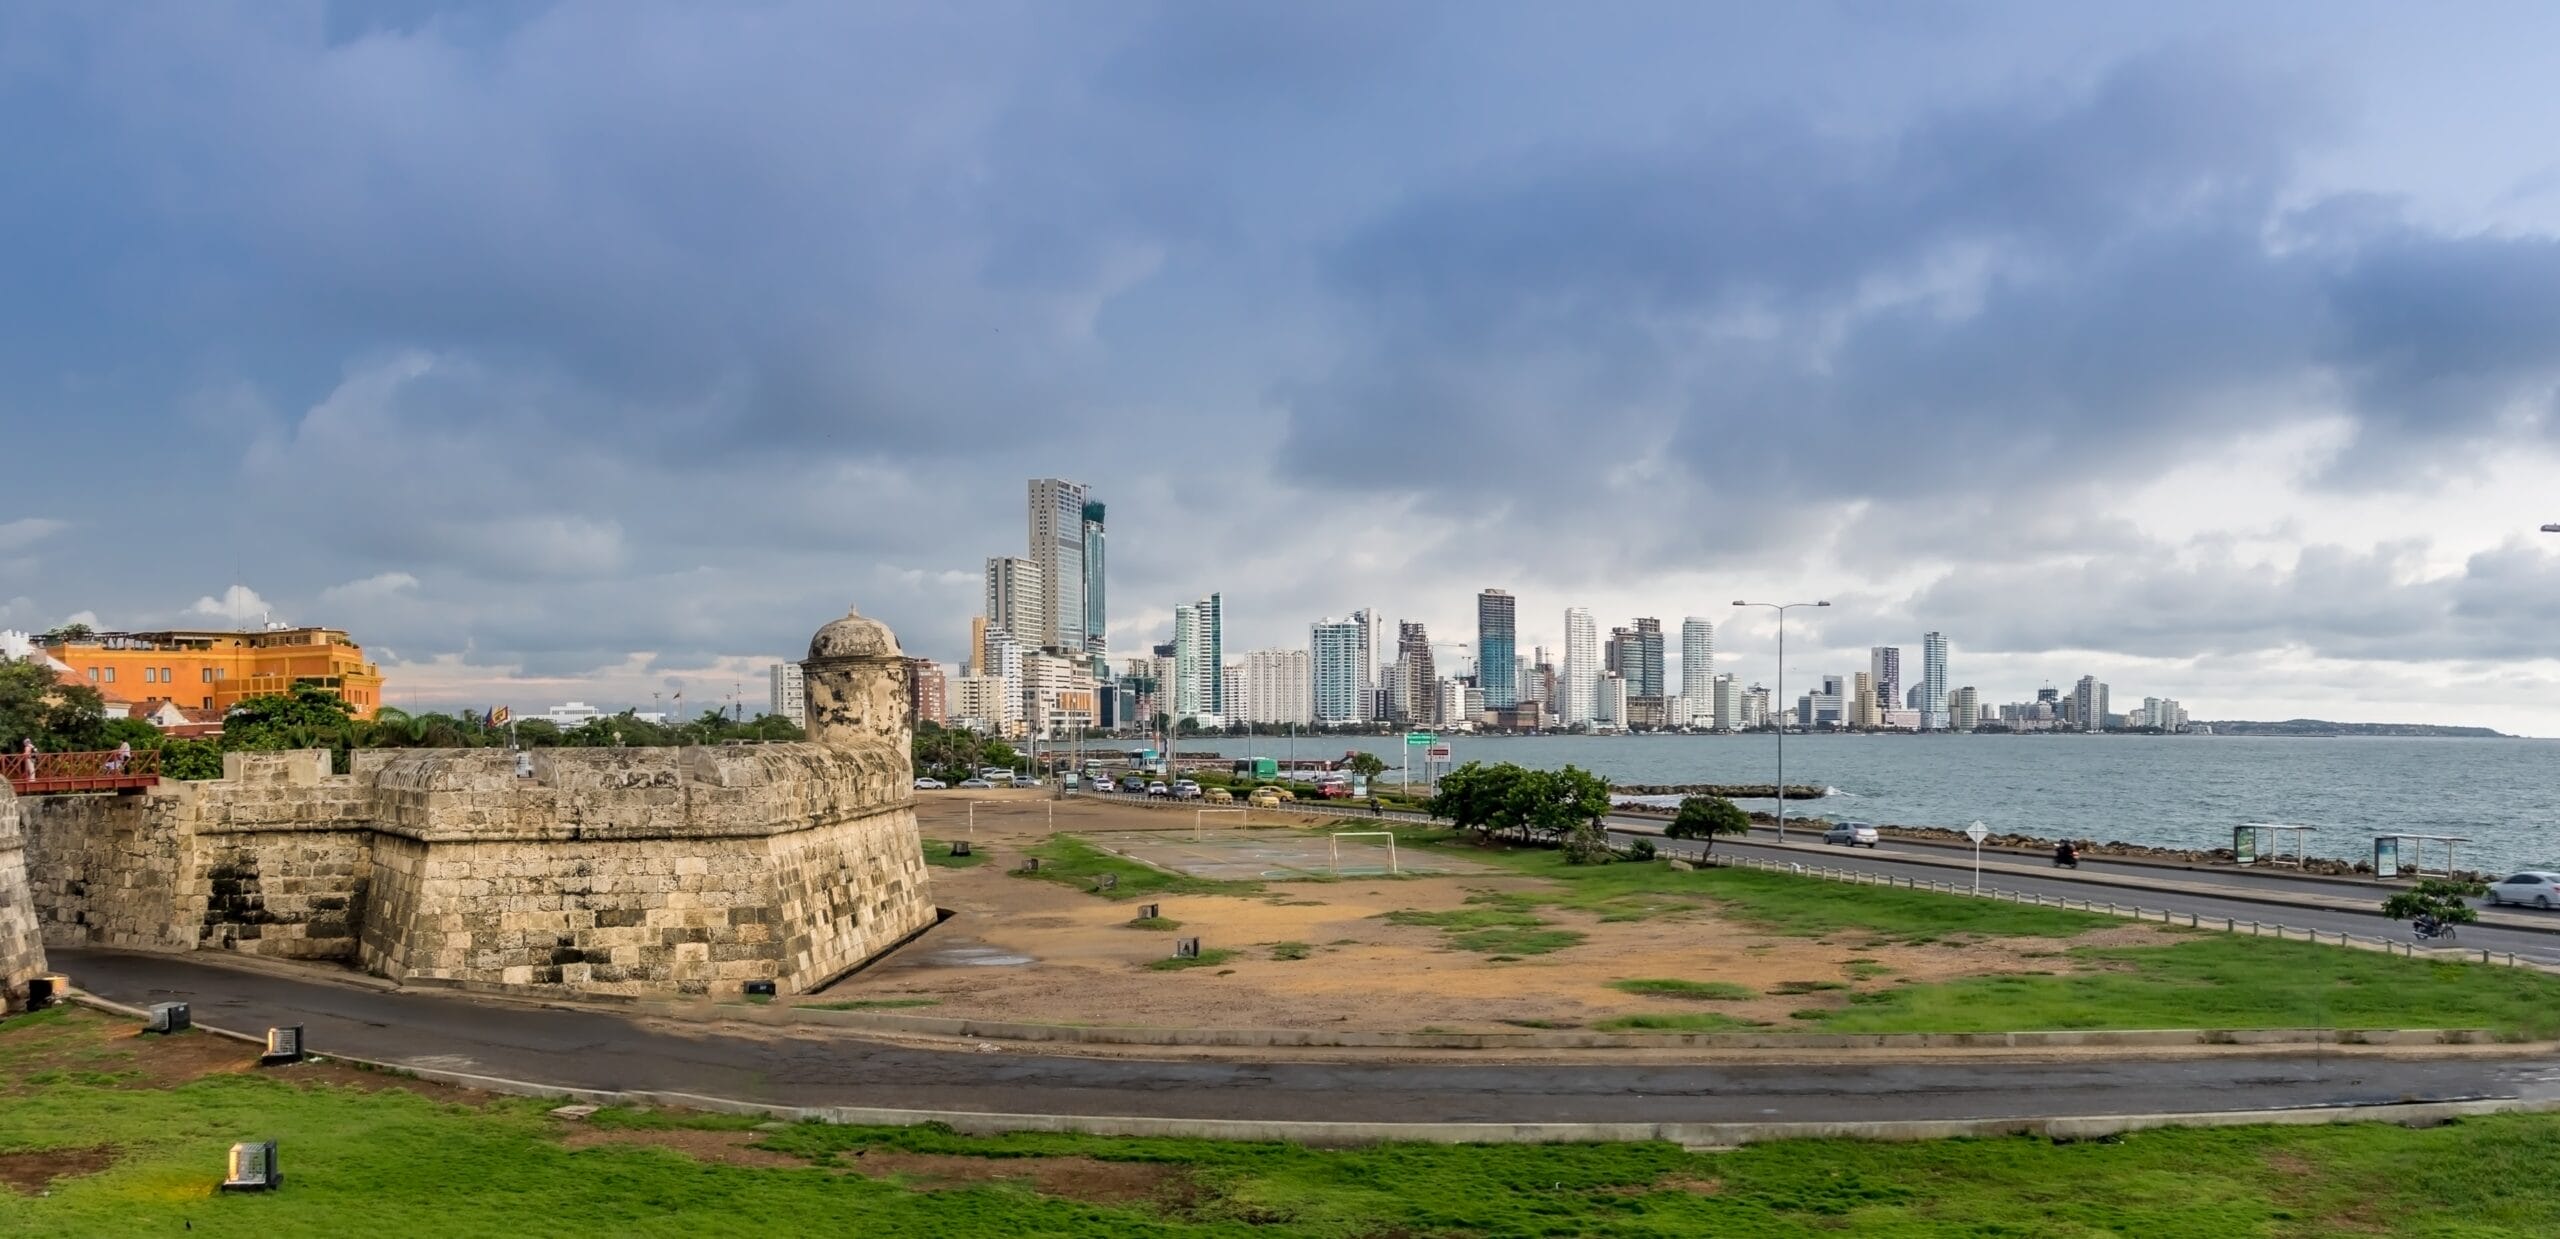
[(1730, 791), (2040, 845)]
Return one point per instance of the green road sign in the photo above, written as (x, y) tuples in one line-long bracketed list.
[(1419, 739)]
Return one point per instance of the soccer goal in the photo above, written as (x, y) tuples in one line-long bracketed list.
[(1013, 808), (1200, 820), (1387, 835)]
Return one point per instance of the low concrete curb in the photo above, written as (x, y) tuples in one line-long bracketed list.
[(1693, 1135)]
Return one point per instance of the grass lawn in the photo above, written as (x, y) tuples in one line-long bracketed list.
[(141, 1159), (1703, 991), (1678, 1021), (2217, 981), (1068, 859), (872, 1004), (938, 852), (1492, 924)]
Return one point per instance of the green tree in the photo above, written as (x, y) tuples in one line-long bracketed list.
[(1560, 801), (1480, 798), (59, 717), (190, 759), (1705, 817), (2441, 898), (306, 718), (1368, 765)]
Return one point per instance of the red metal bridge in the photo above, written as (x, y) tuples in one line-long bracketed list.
[(112, 771)]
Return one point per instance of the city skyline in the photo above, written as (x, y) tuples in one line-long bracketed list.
[(2199, 347)]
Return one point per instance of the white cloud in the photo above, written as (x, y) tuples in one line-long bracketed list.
[(238, 604), (380, 587), (27, 531)]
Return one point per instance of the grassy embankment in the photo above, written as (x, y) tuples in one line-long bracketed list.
[(2192, 980), (141, 1159)]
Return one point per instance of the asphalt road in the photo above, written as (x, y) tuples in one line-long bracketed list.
[(591, 1049)]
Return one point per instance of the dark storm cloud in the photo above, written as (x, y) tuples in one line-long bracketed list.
[(545, 334)]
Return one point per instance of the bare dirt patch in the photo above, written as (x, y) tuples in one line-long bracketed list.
[(33, 1172), (1071, 1178), (726, 1148), (1073, 958)]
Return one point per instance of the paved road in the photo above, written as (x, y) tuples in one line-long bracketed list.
[(589, 1049)]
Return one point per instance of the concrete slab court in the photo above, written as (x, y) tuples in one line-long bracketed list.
[(1272, 855)]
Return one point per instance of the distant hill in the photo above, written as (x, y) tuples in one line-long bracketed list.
[(2323, 727)]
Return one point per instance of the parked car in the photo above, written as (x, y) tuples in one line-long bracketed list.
[(2537, 887), (1334, 791), (1852, 834), (1264, 798), (1219, 795), (1186, 790), (976, 784), (930, 785), (1158, 789)]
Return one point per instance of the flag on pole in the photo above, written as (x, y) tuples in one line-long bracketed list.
[(498, 716)]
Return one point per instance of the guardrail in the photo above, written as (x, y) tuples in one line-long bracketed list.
[(2166, 916), (107, 770)]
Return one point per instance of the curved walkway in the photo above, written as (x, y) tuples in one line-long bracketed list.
[(594, 1050)]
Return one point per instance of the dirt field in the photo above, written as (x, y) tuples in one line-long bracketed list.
[(1038, 951)]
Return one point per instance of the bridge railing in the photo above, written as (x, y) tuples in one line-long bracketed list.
[(109, 768)]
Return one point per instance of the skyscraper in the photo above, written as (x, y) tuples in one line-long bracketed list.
[(1697, 673), (790, 699), (1057, 549), (2089, 704), (1275, 687), (1014, 598), (1579, 678), (1643, 665), (1199, 661), (1862, 702), (1933, 681), (1095, 616), (1418, 689), (1334, 646), (1497, 649), (1884, 664), (1367, 622)]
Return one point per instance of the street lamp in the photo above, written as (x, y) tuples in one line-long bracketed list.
[(1781, 608)]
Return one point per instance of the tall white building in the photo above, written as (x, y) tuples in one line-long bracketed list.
[(790, 697), (1697, 673), (1884, 666), (1578, 680), (1933, 681), (1728, 712), (1334, 649), (1199, 663), (1609, 702), (1014, 598), (2089, 704), (1057, 553), (1276, 687), (977, 703), (1366, 621)]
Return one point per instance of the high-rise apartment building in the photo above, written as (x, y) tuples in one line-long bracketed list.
[(1096, 618), (1276, 687), (1417, 682), (1579, 678), (1884, 666), (1964, 709), (927, 700), (1497, 649), (1014, 599), (2089, 704), (1728, 704), (790, 697), (1609, 702), (1333, 647), (1365, 621), (1005, 666), (1933, 681), (1864, 714), (1199, 661), (1697, 673), (1057, 551)]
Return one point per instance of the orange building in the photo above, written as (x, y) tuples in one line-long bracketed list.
[(214, 670)]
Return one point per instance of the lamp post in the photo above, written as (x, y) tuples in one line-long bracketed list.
[(1782, 608)]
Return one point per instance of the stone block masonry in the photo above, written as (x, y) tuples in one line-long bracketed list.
[(604, 871), (21, 946)]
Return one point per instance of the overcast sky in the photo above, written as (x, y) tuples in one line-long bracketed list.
[(596, 350)]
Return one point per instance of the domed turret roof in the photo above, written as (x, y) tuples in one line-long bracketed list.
[(854, 637)]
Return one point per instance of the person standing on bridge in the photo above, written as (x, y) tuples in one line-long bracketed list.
[(122, 759), (28, 751)]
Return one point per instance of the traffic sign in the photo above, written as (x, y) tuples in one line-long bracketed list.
[(1417, 739), (1437, 752), (1977, 832)]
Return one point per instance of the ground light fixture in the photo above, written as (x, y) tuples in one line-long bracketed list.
[(254, 1168), (167, 1017), (284, 1045)]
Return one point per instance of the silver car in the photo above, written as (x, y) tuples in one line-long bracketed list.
[(1852, 834), (2538, 887)]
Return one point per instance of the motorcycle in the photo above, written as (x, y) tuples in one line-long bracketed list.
[(2428, 929), (2065, 858)]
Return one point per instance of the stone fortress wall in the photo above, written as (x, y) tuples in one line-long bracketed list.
[(601, 871), (21, 951)]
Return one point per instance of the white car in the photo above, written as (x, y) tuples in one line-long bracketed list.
[(1852, 834), (976, 784), (2538, 887), (930, 785)]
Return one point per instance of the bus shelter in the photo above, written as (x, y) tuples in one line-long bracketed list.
[(2389, 851), (2254, 843)]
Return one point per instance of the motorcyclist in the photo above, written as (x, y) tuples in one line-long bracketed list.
[(2066, 855)]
